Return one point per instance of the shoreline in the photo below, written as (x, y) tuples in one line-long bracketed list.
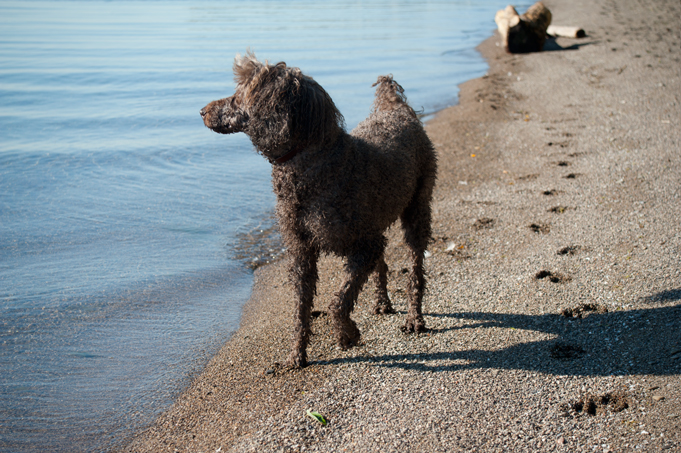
[(499, 368)]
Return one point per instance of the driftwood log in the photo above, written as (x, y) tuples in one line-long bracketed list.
[(523, 33)]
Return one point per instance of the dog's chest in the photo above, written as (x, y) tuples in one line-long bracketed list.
[(315, 208)]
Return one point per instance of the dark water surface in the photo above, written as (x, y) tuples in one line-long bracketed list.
[(126, 226)]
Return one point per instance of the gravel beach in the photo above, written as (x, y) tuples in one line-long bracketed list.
[(554, 299)]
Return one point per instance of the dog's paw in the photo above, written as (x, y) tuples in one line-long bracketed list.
[(296, 360), (349, 336), (414, 325), (345, 342), (383, 308)]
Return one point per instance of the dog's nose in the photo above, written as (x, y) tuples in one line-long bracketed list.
[(203, 112)]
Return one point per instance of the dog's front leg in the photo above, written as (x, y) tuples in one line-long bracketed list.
[(303, 275), (357, 269)]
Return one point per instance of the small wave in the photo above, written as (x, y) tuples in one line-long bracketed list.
[(259, 245)]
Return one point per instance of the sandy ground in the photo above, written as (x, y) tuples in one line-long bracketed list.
[(554, 293)]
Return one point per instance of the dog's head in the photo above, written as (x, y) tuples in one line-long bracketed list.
[(278, 107)]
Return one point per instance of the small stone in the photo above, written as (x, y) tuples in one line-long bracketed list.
[(658, 397), (560, 440)]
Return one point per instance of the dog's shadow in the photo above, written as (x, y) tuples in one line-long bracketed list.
[(643, 341)]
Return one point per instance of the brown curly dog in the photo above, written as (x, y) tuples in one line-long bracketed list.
[(336, 192)]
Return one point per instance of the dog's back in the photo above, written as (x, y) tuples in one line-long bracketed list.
[(393, 137), (393, 124), (393, 157)]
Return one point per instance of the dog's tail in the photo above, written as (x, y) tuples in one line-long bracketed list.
[(390, 95)]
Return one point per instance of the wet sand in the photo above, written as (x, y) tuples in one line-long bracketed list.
[(554, 292)]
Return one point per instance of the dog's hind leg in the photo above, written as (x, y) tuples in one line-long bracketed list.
[(303, 275), (383, 305), (357, 269), (417, 231)]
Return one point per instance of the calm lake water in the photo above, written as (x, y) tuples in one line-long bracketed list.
[(126, 226)]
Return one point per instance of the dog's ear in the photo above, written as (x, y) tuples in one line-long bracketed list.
[(313, 116)]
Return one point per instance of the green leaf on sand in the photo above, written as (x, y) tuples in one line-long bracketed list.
[(316, 416)]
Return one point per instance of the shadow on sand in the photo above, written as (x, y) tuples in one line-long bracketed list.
[(642, 341), (551, 45)]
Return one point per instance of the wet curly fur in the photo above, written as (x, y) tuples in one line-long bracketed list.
[(336, 192)]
